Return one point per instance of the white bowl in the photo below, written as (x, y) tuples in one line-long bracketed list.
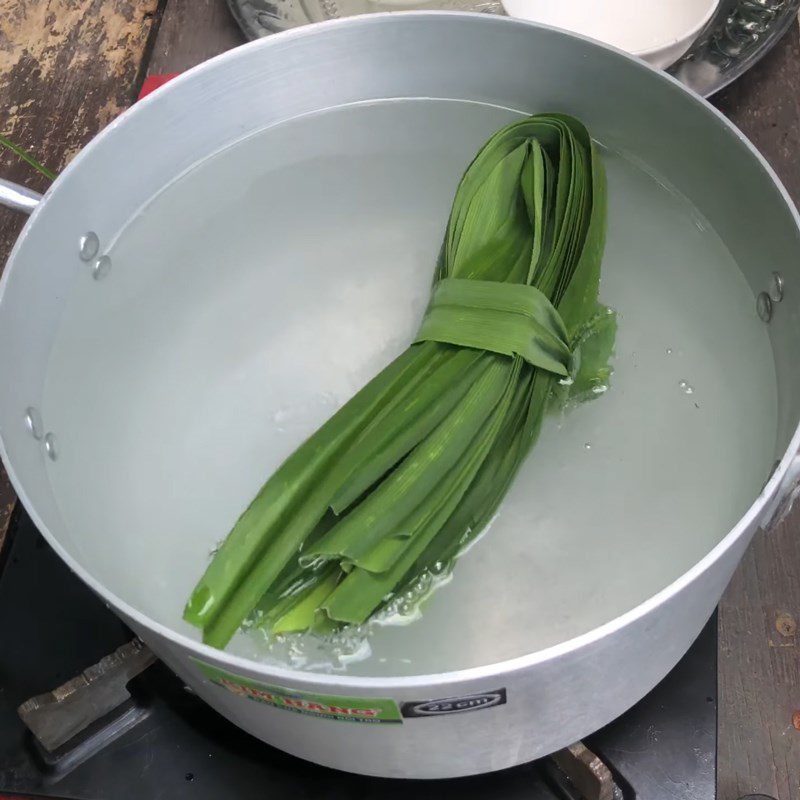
[(658, 31)]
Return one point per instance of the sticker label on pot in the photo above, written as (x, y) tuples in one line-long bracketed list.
[(454, 705), (370, 710)]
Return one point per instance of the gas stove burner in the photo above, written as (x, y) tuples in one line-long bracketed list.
[(82, 717), (123, 728)]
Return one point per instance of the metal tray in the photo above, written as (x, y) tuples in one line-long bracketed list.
[(738, 36)]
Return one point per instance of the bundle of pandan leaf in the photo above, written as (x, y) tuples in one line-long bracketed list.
[(419, 460)]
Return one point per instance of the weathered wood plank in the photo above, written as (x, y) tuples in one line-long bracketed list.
[(192, 31), (758, 742), (67, 68)]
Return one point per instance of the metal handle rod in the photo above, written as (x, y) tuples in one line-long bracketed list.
[(17, 197)]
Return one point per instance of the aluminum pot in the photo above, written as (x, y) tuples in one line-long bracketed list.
[(530, 705)]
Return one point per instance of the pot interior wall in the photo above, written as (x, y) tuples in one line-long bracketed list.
[(257, 291)]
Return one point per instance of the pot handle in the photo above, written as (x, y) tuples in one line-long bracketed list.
[(788, 492), (18, 198)]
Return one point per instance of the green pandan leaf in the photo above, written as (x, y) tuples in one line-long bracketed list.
[(416, 464), (594, 351)]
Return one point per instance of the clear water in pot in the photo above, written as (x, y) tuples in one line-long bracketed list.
[(256, 293)]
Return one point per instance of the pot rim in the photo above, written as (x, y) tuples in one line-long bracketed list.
[(296, 677)]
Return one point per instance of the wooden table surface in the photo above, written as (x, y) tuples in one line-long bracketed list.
[(68, 67)]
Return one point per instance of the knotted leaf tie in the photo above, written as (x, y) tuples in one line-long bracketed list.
[(506, 318)]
